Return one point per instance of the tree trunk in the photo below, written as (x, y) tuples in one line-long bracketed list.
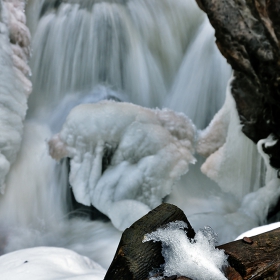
[(248, 33)]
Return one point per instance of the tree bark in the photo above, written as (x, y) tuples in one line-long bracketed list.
[(248, 33)]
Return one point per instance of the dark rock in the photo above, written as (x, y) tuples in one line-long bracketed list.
[(247, 34)]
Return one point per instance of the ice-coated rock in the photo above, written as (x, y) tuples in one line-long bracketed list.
[(145, 151)]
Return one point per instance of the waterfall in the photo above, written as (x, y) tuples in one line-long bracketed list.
[(130, 55), (153, 53)]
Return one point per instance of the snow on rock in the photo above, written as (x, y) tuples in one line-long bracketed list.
[(124, 157), (14, 85), (48, 263), (197, 258)]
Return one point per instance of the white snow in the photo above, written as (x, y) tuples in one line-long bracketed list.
[(258, 230), (150, 149), (48, 263), (197, 258)]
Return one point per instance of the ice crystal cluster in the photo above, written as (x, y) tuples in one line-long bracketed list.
[(196, 258)]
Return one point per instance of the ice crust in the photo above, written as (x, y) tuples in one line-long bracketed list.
[(197, 258), (14, 85), (150, 150)]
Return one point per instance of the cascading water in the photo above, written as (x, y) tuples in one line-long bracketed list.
[(130, 55), (154, 53)]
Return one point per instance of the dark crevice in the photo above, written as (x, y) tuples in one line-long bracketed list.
[(274, 213), (83, 211), (108, 153), (79, 210)]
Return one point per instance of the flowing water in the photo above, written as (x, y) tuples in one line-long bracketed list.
[(154, 53)]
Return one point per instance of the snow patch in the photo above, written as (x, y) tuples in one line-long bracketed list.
[(197, 258), (48, 263), (258, 230), (122, 152)]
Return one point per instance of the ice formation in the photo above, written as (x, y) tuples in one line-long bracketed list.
[(232, 160), (14, 85), (197, 258), (239, 167), (48, 263), (124, 158)]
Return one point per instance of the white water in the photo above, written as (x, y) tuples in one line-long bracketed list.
[(149, 52)]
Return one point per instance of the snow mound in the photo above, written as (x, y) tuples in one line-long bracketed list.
[(197, 258), (14, 85), (48, 263), (124, 158)]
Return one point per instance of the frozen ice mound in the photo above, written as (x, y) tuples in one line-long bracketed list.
[(124, 158)]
